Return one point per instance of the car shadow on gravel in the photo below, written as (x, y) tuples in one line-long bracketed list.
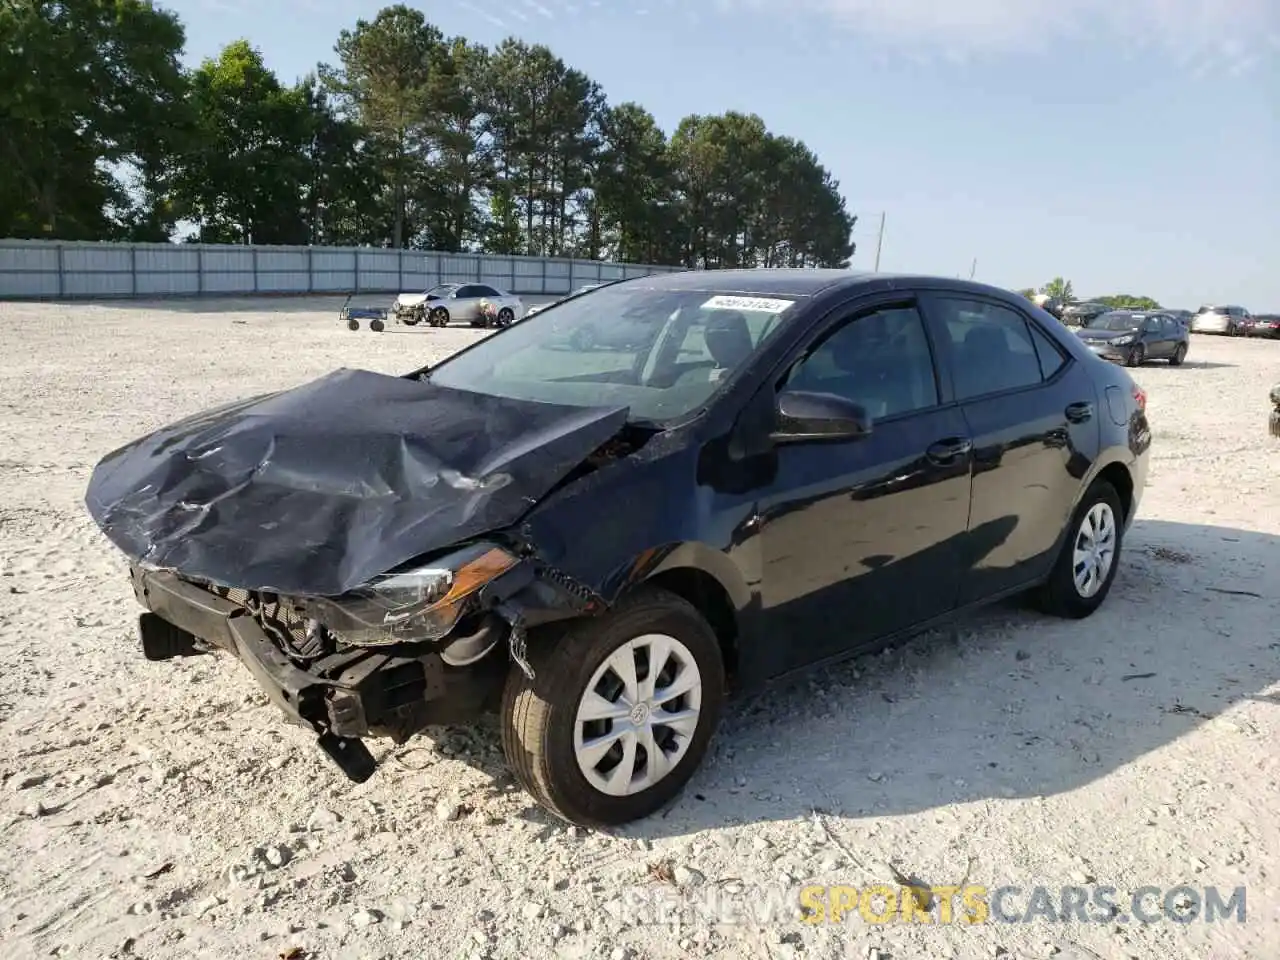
[(1008, 703), (1190, 364)]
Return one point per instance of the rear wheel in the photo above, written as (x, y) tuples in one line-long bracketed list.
[(620, 712), (1086, 568), (377, 326), (353, 324), (1179, 355), (505, 316)]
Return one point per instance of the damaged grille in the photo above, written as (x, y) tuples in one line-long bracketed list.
[(298, 637)]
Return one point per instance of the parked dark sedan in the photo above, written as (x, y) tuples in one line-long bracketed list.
[(1134, 338), (1079, 314), (792, 467)]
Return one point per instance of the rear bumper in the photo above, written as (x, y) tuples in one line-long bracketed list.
[(342, 697)]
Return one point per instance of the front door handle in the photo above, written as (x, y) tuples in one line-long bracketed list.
[(946, 452), (1079, 412)]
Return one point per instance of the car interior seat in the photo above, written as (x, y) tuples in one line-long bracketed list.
[(986, 358), (728, 340)]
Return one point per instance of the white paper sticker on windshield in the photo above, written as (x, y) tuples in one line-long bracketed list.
[(763, 304)]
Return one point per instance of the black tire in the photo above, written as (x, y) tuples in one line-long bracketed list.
[(506, 316), (1059, 595), (1137, 353), (353, 324), (1179, 354), (538, 716), (377, 326), (439, 317)]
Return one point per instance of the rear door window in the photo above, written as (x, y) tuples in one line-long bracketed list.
[(992, 347)]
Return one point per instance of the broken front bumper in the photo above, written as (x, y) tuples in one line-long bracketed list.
[(344, 696)]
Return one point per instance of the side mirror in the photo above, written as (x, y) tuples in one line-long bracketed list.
[(802, 415)]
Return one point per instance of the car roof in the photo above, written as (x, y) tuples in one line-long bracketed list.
[(798, 281)]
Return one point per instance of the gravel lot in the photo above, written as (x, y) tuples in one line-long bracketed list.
[(165, 810)]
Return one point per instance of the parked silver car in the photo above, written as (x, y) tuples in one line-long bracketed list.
[(457, 301), (1228, 319)]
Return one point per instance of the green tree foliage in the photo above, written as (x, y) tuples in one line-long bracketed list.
[(1060, 290), (1126, 301), (408, 139), (91, 112), (245, 177)]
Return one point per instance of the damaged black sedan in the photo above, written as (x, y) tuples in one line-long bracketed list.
[(754, 472)]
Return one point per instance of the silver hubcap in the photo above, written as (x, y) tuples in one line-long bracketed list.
[(1095, 549), (638, 715)]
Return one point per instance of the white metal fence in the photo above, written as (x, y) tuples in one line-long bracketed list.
[(46, 269)]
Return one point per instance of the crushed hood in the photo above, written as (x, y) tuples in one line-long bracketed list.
[(315, 490)]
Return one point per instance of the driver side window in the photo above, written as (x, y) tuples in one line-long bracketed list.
[(880, 360)]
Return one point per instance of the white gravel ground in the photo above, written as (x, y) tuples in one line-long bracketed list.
[(165, 810)]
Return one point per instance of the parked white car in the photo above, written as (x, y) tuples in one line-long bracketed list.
[(1230, 320), (538, 307), (457, 301)]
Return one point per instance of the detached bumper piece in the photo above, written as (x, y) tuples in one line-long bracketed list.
[(343, 697)]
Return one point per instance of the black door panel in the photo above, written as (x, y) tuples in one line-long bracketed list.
[(1029, 411), (862, 538)]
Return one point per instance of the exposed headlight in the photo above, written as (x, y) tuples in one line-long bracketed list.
[(414, 605), (1122, 341)]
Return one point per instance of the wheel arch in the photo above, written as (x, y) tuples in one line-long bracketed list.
[(708, 580)]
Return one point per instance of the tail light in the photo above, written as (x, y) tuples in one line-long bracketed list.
[(1140, 398)]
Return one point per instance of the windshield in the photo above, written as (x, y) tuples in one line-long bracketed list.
[(442, 290), (1116, 321), (1206, 310), (661, 353)]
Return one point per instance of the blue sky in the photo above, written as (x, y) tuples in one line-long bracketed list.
[(1128, 145)]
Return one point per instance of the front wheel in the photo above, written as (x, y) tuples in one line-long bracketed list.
[(439, 317), (1137, 353), (1179, 354), (1086, 567), (620, 712)]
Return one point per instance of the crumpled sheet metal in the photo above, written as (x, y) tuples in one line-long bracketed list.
[(316, 490)]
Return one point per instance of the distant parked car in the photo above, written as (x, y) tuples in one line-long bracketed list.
[(1264, 325), (539, 307), (456, 301), (1133, 338), (1079, 314), (1050, 305), (1231, 320)]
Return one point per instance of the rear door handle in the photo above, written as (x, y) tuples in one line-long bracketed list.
[(1079, 412), (946, 452)]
